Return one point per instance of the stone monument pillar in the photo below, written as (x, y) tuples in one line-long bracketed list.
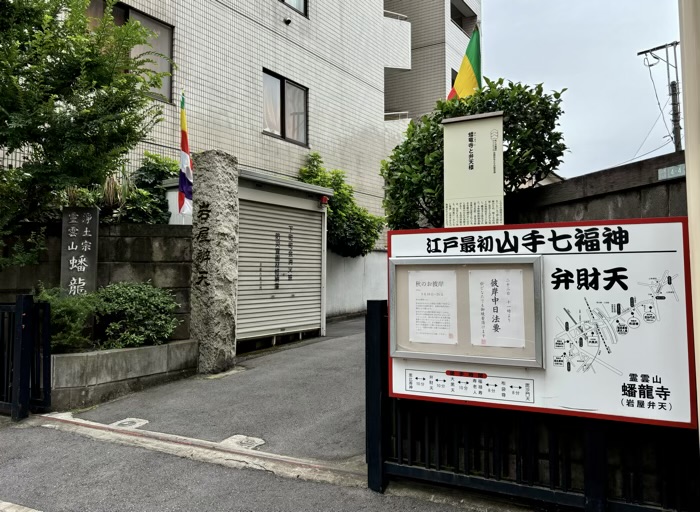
[(214, 290)]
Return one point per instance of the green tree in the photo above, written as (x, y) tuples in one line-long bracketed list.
[(72, 96), (352, 230), (73, 99), (533, 149)]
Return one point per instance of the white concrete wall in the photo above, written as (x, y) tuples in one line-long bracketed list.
[(351, 282), (437, 47), (337, 52), (416, 90), (456, 42), (397, 40)]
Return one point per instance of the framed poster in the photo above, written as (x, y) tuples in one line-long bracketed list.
[(614, 319), (494, 306)]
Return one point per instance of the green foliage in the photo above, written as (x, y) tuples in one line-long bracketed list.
[(533, 149), (135, 199), (71, 94), (74, 101), (134, 314), (16, 249), (124, 315), (71, 317), (352, 230), (149, 178)]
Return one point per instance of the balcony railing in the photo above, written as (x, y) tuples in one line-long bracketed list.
[(395, 15)]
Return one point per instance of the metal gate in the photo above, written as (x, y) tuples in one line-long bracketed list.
[(25, 357), (593, 465), (280, 270)]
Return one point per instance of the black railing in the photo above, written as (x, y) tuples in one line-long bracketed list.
[(25, 357), (586, 464)]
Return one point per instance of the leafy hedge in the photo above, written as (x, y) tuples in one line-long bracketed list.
[(352, 230), (119, 315)]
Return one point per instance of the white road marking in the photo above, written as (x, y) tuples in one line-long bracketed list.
[(130, 423), (241, 441), (11, 507)]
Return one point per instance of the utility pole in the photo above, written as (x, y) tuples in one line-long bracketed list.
[(672, 85)]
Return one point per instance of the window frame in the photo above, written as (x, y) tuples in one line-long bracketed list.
[(304, 13), (283, 104)]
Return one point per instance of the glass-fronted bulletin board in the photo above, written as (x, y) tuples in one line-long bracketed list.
[(588, 319), (482, 310)]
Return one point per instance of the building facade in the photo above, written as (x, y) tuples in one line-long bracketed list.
[(271, 81), (440, 34)]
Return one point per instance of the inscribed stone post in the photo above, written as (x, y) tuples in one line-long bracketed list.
[(79, 250), (214, 260)]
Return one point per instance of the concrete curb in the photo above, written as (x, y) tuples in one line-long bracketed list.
[(206, 451), (349, 473)]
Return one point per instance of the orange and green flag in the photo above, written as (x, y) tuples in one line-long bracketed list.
[(469, 76)]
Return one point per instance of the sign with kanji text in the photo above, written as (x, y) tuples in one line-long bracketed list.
[(609, 301), (473, 163), (79, 250)]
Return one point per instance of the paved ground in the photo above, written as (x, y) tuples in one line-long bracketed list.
[(56, 471), (306, 401)]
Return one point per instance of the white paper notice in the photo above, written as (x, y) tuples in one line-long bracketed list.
[(432, 302), (496, 308)]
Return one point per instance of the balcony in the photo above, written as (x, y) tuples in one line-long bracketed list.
[(397, 41)]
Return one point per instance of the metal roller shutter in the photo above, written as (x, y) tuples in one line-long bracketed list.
[(280, 270)]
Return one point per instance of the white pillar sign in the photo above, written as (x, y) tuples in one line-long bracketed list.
[(606, 302), (474, 170)]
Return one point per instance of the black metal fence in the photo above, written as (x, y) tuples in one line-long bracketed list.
[(25, 357), (550, 460)]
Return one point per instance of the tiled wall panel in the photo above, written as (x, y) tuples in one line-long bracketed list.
[(337, 52)]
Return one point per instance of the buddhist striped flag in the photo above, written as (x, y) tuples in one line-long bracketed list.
[(184, 196), (469, 76)]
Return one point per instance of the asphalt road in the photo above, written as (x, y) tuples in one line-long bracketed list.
[(54, 471), (306, 401)]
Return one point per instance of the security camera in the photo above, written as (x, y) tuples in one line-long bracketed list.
[(287, 21)]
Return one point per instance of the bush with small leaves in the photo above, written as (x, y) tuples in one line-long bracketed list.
[(352, 230), (134, 314)]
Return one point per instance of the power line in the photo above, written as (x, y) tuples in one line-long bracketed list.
[(646, 63), (650, 130), (647, 153)]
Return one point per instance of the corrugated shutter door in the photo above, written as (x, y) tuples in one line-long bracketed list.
[(279, 273)]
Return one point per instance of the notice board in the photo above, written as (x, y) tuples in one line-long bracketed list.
[(589, 319)]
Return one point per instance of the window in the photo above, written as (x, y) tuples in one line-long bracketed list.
[(454, 77), (297, 5), (162, 43), (284, 105)]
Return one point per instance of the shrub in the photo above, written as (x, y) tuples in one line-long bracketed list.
[(533, 149), (149, 177), (134, 314), (71, 316), (352, 230)]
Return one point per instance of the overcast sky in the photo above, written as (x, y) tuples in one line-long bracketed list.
[(590, 47)]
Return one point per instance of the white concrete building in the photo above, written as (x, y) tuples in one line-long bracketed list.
[(440, 34), (272, 80)]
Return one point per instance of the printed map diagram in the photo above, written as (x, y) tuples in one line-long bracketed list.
[(590, 335)]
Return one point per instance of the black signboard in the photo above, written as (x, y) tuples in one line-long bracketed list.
[(79, 250)]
